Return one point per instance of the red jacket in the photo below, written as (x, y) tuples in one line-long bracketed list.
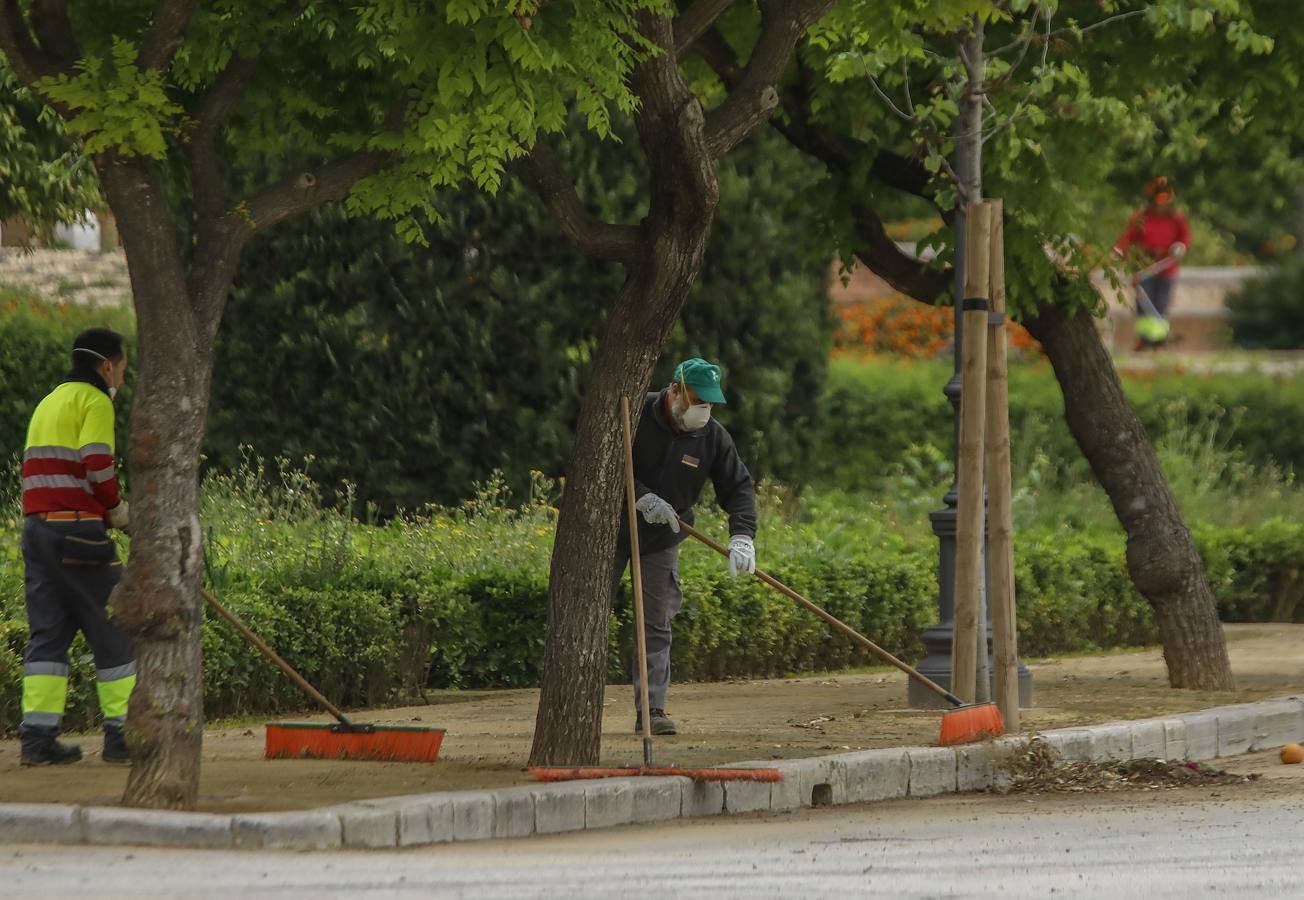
[(1156, 232)]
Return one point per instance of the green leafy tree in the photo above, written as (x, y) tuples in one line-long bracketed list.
[(43, 176), (378, 102), (1036, 102)]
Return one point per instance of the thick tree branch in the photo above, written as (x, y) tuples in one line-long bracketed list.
[(747, 108), (327, 184), (693, 22), (309, 189), (884, 258), (783, 22), (722, 59), (28, 61), (53, 30), (903, 173), (201, 151), (601, 240), (166, 32), (837, 151)]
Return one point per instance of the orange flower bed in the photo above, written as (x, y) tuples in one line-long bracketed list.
[(899, 326)]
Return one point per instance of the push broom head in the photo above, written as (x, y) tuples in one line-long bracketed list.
[(387, 743), (574, 773), (969, 723)]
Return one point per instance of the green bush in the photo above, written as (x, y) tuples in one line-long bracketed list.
[(1256, 573), (376, 636), (876, 415), (1267, 312), (1073, 594), (35, 340)]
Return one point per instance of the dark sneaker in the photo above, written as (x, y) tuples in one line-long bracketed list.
[(115, 746), (661, 723), (42, 747)]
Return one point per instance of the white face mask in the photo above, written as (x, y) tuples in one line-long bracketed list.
[(113, 392), (695, 417)]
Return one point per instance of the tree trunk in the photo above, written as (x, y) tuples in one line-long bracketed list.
[(1161, 557), (569, 723), (683, 192), (158, 602), (1162, 560)]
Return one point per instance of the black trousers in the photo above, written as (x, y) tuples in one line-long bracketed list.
[(71, 569)]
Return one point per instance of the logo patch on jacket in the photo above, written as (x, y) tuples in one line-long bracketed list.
[(691, 461)]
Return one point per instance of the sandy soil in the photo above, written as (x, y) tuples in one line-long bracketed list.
[(489, 731)]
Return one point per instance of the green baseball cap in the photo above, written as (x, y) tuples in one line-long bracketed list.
[(702, 377)]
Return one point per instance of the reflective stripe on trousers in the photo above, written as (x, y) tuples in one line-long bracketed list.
[(71, 569)]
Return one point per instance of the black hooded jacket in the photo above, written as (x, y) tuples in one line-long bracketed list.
[(675, 466)]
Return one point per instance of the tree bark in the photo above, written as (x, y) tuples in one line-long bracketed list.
[(157, 603), (1161, 556), (668, 256)]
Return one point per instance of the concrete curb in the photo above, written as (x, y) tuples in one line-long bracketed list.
[(868, 775)]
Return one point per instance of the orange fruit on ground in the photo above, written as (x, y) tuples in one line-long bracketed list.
[(1292, 753)]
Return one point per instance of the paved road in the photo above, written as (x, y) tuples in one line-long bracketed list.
[(1235, 841)]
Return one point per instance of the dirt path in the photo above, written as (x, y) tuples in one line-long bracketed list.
[(489, 731)]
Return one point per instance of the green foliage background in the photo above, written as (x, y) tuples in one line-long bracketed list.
[(413, 371), (35, 343), (1267, 313)]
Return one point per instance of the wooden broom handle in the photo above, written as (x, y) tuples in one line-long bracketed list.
[(831, 619), (636, 576), (274, 657)]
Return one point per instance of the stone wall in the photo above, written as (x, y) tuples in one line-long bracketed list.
[(72, 276)]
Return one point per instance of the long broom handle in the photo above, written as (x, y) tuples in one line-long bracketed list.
[(832, 620), (1153, 268), (271, 654), (640, 629)]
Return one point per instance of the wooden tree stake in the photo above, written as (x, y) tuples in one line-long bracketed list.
[(969, 510), (999, 514)]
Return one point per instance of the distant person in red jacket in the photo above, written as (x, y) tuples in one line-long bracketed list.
[(1160, 232)]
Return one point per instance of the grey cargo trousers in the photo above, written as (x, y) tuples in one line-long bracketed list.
[(662, 598)]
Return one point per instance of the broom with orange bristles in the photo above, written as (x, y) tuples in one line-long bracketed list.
[(966, 723), (345, 739)]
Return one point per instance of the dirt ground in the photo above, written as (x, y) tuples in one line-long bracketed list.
[(489, 732)]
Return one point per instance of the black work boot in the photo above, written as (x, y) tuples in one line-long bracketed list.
[(42, 747), (115, 746), (661, 723)]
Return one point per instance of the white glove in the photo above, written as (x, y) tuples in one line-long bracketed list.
[(1178, 250), (657, 511), (120, 516), (742, 555)]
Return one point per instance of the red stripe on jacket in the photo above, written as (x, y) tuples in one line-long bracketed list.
[(103, 495)]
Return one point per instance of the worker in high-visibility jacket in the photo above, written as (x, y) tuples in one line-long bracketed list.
[(70, 497)]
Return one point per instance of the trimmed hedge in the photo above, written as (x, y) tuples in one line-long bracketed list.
[(373, 637), (870, 417), (874, 412)]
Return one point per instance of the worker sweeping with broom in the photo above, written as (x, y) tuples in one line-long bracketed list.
[(1163, 235), (70, 498), (678, 446)]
